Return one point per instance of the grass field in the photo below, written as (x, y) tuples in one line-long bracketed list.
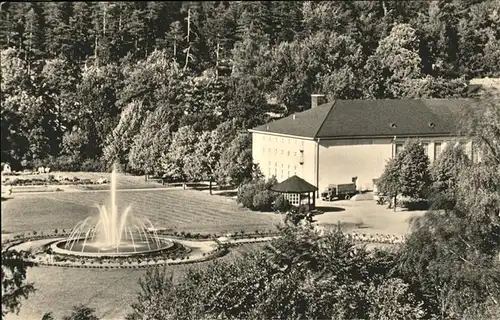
[(182, 210)]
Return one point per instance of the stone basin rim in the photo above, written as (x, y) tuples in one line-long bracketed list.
[(58, 250)]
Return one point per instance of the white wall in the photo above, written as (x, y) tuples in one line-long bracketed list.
[(281, 156), (339, 160)]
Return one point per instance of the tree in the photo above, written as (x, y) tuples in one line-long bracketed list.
[(57, 18), (120, 140), (235, 165), (452, 256), (445, 172), (246, 103), (97, 109), (201, 163), (14, 285), (414, 176), (59, 83), (304, 274), (81, 312), (33, 35), (152, 142), (80, 23), (397, 59), (181, 148), (156, 288), (389, 183)]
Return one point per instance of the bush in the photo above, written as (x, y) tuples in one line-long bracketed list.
[(263, 200), (246, 193), (419, 204), (92, 165), (282, 204), (255, 194)]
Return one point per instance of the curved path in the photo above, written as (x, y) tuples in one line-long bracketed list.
[(200, 251)]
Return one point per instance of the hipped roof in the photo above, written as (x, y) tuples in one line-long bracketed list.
[(294, 184), (372, 118)]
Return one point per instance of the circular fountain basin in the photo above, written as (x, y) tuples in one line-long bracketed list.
[(96, 249)]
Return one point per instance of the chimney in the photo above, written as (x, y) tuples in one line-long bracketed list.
[(317, 99)]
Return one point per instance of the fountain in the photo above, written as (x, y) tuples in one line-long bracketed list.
[(112, 234)]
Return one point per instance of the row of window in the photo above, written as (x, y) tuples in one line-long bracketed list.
[(425, 145), (282, 140), (281, 171), (289, 153), (437, 149)]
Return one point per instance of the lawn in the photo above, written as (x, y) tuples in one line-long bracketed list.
[(180, 210)]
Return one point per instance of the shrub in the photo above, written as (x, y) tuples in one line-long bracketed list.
[(246, 193), (419, 204), (281, 204), (263, 200), (92, 165)]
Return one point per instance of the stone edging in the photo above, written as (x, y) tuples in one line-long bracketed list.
[(213, 254)]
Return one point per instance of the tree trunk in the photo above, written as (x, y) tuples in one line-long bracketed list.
[(217, 60), (395, 201), (187, 38), (210, 186), (145, 177), (96, 50), (385, 8)]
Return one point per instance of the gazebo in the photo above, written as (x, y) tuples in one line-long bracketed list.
[(293, 188)]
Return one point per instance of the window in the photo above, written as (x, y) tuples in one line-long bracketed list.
[(282, 151), (399, 148), (288, 153), (295, 154), (275, 151), (293, 198), (263, 150), (437, 150), (425, 145)]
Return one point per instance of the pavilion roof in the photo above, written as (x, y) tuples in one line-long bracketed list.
[(294, 184)]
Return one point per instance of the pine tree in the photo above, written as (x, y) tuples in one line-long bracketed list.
[(58, 40), (33, 43), (81, 30)]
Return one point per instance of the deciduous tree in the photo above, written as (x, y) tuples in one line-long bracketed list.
[(14, 285)]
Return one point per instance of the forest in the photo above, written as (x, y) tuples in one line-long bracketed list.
[(170, 87)]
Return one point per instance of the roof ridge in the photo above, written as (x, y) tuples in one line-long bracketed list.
[(326, 117)]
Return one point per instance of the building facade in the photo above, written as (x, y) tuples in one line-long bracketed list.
[(351, 140)]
